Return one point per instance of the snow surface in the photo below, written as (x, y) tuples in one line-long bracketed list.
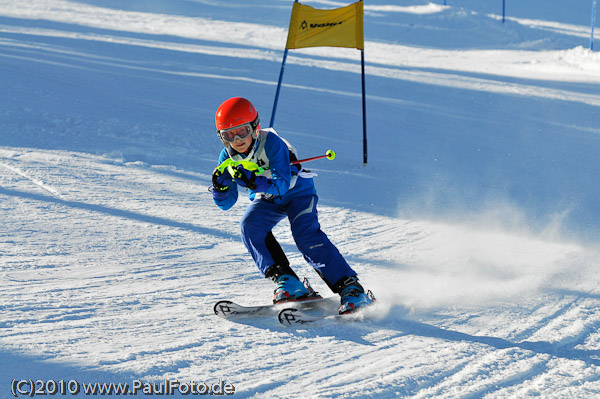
[(476, 222)]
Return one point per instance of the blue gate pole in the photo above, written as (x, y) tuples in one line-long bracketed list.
[(593, 22), (278, 88), (364, 106), (285, 52)]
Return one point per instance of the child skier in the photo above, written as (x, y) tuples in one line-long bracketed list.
[(281, 190)]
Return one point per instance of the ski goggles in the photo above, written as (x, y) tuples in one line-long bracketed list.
[(241, 131)]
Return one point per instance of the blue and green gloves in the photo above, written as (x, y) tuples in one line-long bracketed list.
[(221, 180)]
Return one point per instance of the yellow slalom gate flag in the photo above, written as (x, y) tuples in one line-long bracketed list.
[(340, 27)]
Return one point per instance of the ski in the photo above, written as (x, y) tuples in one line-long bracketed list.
[(295, 316), (228, 309)]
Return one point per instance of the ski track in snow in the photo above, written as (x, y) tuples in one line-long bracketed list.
[(109, 268), (35, 181)]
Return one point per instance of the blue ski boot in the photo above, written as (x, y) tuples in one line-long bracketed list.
[(289, 288), (353, 296)]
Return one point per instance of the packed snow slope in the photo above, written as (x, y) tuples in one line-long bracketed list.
[(476, 221)]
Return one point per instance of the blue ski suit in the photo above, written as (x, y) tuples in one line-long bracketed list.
[(289, 193)]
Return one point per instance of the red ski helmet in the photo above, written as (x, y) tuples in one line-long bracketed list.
[(234, 112)]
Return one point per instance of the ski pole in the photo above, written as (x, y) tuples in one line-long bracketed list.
[(330, 154)]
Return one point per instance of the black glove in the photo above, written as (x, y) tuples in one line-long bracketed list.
[(247, 178), (221, 180)]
